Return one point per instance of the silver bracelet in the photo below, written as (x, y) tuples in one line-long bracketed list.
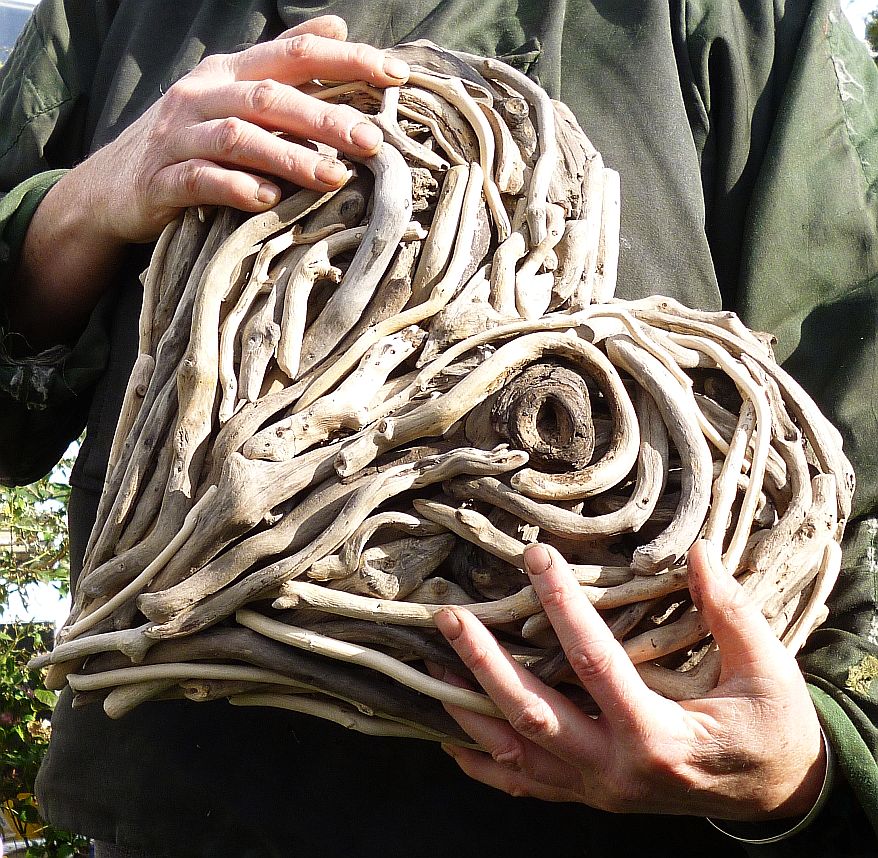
[(803, 823)]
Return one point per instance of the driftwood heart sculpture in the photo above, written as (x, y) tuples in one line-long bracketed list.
[(362, 405)]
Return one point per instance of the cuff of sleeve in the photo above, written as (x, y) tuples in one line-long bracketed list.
[(764, 833), (17, 208)]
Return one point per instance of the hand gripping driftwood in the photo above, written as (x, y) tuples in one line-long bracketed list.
[(359, 407)]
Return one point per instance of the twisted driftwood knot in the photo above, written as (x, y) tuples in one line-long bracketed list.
[(545, 410), (362, 405)]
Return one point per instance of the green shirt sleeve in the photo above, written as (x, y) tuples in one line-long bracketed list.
[(43, 396)]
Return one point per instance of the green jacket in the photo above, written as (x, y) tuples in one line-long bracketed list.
[(746, 135)]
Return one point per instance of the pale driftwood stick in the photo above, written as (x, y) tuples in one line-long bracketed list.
[(149, 500), (143, 579), (394, 291), (666, 639), (386, 120), (764, 556), (402, 639), (440, 591), (677, 408), (180, 263), (474, 527), (122, 700), (692, 684), (456, 94), (174, 672), (232, 437), (205, 690), (392, 209), (816, 532), (385, 485), (815, 611), (592, 204), (352, 405), (138, 383), (454, 135), (346, 716), (607, 263), (503, 264), (353, 548), (718, 425), (130, 642), (152, 286), (311, 266), (395, 569), (455, 274), (725, 486), (800, 555), (260, 335), (370, 658), (573, 257), (526, 278), (509, 166), (761, 439), (544, 169)]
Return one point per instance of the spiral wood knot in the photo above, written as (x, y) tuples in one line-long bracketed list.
[(545, 410)]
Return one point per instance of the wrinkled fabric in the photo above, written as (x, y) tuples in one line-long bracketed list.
[(745, 135)]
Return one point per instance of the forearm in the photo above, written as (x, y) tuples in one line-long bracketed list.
[(66, 264)]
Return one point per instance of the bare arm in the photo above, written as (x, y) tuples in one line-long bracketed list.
[(210, 140)]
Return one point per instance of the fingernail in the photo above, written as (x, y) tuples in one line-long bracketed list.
[(448, 749), (366, 135), (267, 194), (448, 623), (394, 67), (536, 559), (330, 172)]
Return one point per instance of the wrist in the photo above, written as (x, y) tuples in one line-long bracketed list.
[(775, 830), (66, 263)]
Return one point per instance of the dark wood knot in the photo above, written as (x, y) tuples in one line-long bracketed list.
[(545, 410)]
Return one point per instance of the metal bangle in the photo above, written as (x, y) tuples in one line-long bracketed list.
[(796, 827)]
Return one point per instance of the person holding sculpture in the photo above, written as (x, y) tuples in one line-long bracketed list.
[(117, 119)]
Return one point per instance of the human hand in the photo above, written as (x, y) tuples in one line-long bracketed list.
[(749, 750), (212, 138)]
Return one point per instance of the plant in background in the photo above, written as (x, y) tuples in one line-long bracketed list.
[(33, 550)]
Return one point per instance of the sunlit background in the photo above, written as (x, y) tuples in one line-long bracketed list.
[(43, 603)]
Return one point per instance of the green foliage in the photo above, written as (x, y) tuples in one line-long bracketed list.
[(872, 32), (33, 549)]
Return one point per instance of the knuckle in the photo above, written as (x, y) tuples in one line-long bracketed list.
[(479, 660), (302, 46), (534, 720), (557, 596), (191, 178), (331, 119), (510, 756), (263, 96), (229, 136), (591, 659)]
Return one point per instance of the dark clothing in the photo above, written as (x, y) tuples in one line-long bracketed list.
[(746, 137)]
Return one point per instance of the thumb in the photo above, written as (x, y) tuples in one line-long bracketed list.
[(743, 635), (328, 26)]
